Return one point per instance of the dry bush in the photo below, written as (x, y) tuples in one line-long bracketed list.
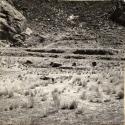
[(3, 91), (6, 92), (93, 88), (27, 102), (56, 98), (119, 92), (78, 80), (73, 104), (25, 121), (79, 109), (83, 95), (18, 121), (68, 103), (10, 86), (45, 112), (13, 106), (63, 102), (93, 97), (106, 90)]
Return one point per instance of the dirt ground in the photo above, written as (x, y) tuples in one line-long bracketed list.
[(70, 71)]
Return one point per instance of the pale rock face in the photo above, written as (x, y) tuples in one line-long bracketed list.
[(72, 18), (28, 31), (11, 21)]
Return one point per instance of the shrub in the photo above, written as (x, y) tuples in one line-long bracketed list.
[(83, 95), (68, 103), (55, 96)]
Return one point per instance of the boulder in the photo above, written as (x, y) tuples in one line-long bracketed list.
[(118, 14), (12, 22)]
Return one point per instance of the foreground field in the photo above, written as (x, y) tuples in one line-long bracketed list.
[(53, 89)]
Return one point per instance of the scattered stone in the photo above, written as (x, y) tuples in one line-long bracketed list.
[(45, 78), (107, 100), (94, 64), (55, 64), (74, 64), (73, 105), (28, 62), (120, 95), (28, 31)]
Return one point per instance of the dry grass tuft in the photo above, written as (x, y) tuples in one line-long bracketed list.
[(68, 103), (27, 102), (56, 98)]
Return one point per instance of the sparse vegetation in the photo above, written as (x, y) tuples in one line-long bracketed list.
[(83, 95), (56, 98), (68, 71), (68, 104)]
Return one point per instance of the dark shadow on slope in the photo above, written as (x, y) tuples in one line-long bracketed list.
[(95, 52)]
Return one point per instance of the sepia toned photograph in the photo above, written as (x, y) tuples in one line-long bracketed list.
[(62, 62)]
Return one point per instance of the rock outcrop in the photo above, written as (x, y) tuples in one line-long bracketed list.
[(119, 12), (12, 23)]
